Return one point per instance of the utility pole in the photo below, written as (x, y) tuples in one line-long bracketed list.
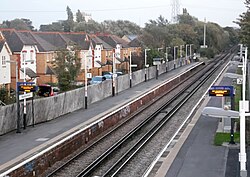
[(204, 44), (175, 10)]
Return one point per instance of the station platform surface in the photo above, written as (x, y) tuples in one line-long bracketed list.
[(198, 156), (19, 146)]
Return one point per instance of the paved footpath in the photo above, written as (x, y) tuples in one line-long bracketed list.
[(14, 147)]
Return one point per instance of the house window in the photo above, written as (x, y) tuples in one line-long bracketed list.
[(3, 61), (32, 56), (24, 53)]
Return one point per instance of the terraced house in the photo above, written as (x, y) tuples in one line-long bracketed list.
[(34, 52), (5, 53)]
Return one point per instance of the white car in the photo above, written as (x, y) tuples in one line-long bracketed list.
[(97, 80)]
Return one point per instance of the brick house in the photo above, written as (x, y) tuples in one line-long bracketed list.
[(40, 49)]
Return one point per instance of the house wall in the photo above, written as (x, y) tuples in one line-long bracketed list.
[(14, 57), (43, 60), (28, 53), (5, 67)]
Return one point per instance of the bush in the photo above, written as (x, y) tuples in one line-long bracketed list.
[(208, 52), (5, 97)]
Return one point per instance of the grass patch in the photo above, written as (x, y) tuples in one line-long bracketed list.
[(225, 137)]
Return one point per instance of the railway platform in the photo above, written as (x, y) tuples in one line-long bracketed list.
[(194, 155), (18, 147)]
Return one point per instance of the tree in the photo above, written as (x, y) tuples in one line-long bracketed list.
[(55, 26), (244, 23), (185, 18), (79, 17), (69, 23), (18, 24), (67, 67)]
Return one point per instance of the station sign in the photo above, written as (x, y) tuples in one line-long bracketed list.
[(221, 91), (133, 65), (27, 87), (25, 96)]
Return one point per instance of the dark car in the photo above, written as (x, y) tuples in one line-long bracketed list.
[(45, 90)]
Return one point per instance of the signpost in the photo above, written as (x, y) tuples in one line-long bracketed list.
[(157, 62), (27, 88)]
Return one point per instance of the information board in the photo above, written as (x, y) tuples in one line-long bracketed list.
[(220, 91)]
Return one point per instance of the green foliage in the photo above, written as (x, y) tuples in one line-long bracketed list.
[(5, 96), (220, 138), (244, 23), (18, 24), (120, 27), (207, 52), (55, 26), (79, 17), (69, 23), (154, 53), (67, 66)]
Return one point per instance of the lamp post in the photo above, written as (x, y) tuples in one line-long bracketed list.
[(181, 53), (114, 75), (191, 52), (24, 101), (243, 114), (175, 47), (146, 65), (86, 80), (17, 97), (130, 69), (186, 52), (167, 58)]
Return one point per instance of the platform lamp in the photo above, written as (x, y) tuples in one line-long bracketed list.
[(167, 58), (191, 51), (24, 101), (187, 53), (18, 130), (175, 47), (146, 65)]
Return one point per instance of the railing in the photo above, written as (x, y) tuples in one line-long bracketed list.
[(2, 103)]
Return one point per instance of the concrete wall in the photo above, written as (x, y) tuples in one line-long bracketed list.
[(49, 108)]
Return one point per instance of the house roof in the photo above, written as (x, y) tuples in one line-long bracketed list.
[(135, 43), (49, 70), (1, 44), (13, 40), (29, 72), (131, 36), (54, 38), (96, 40), (113, 40)]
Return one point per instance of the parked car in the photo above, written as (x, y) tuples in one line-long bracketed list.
[(45, 90), (108, 76), (97, 80)]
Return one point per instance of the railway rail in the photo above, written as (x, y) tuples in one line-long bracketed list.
[(113, 153)]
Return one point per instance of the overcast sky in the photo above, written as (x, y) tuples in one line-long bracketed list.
[(223, 12)]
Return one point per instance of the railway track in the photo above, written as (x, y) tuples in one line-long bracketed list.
[(112, 154)]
